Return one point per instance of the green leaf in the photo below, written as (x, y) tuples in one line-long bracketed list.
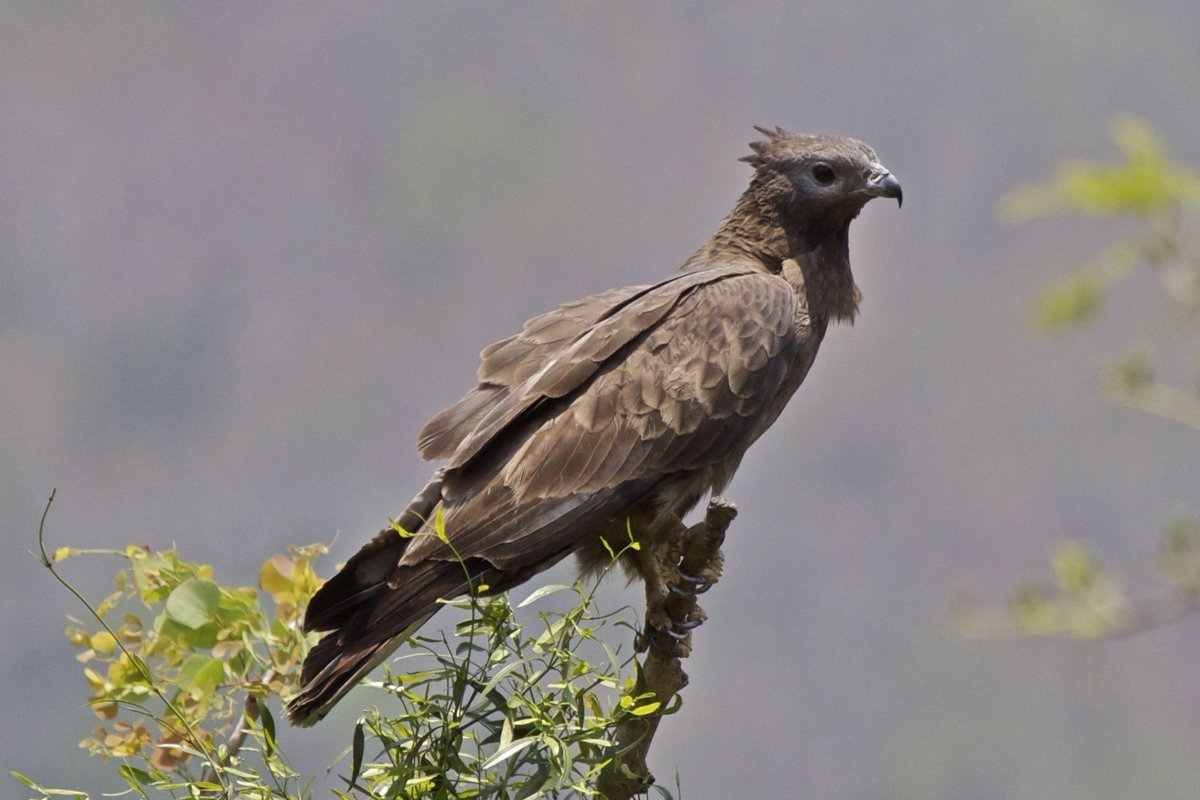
[(1136, 139), (506, 732), (544, 591), (505, 753), (643, 710), (207, 679), (439, 524), (500, 675), (1074, 568), (24, 780), (420, 780), (611, 555), (104, 643), (44, 790), (535, 782), (611, 654), (134, 776), (275, 575), (1146, 183), (193, 603), (186, 638), (551, 633), (1130, 375), (189, 668), (268, 727), (358, 747), (1071, 302)]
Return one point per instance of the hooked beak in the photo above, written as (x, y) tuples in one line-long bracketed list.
[(883, 184)]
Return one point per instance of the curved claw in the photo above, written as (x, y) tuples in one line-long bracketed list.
[(699, 585), (688, 625), (676, 589)]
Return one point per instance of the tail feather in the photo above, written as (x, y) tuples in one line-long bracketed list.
[(365, 575), (369, 608), (374, 603), (336, 670), (368, 631)]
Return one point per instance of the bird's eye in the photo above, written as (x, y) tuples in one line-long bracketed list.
[(823, 174)]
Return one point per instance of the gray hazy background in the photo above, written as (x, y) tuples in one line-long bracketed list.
[(247, 249)]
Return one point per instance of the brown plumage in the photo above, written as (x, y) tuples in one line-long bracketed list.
[(623, 408)]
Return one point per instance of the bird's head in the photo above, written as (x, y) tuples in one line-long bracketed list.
[(806, 177)]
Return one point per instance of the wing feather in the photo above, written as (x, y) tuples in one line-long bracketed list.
[(676, 378), (510, 361), (500, 429), (691, 390), (700, 387)]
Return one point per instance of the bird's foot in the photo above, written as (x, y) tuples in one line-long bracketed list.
[(689, 585), (673, 640), (678, 577)]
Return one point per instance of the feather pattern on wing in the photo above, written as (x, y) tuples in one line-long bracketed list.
[(510, 361), (669, 403), (542, 395)]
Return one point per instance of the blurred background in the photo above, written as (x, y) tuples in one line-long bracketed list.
[(246, 250)]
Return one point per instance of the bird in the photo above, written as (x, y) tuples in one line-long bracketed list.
[(610, 415)]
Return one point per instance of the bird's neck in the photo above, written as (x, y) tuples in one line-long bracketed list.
[(758, 236)]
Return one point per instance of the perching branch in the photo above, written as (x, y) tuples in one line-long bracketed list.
[(685, 565)]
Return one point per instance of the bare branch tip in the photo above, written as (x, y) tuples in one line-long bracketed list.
[(46, 562)]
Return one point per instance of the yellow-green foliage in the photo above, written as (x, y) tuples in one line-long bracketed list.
[(204, 643), (495, 710), (1157, 195), (1144, 185)]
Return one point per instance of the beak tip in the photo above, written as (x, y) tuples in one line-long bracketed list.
[(891, 188)]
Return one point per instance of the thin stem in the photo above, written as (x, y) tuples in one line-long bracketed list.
[(237, 736), (144, 670)]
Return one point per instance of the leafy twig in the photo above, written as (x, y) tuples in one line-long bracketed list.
[(198, 742), (250, 713)]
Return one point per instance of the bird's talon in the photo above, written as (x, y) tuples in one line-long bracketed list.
[(699, 585), (676, 589)]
